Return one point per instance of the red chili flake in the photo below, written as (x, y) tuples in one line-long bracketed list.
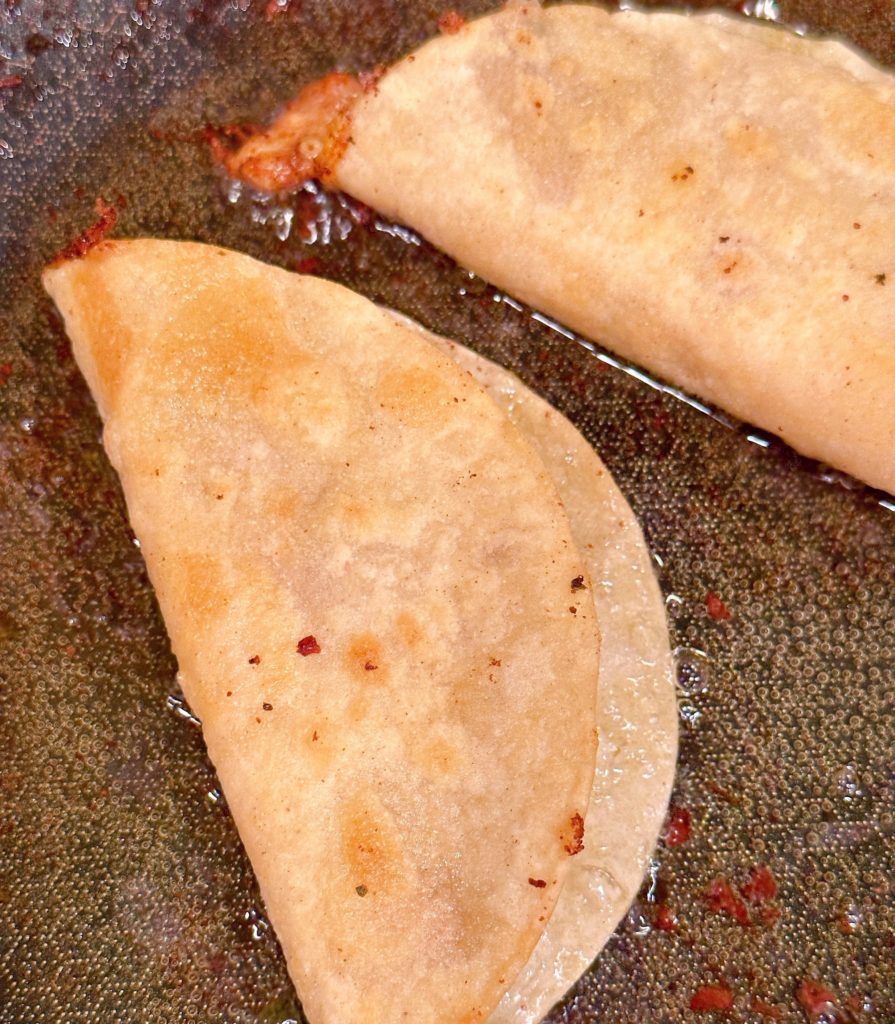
[(69, 650), (255, 659), (730, 267), (578, 583), (11, 82), (716, 607), (108, 217), (814, 997), (764, 1009), (307, 645), (314, 737), (494, 662), (309, 265), (267, 707), (369, 666), (450, 22), (538, 883), (721, 899), (723, 238), (575, 842), (711, 997), (845, 298), (761, 886), (5, 373), (664, 921), (856, 226), (677, 829)]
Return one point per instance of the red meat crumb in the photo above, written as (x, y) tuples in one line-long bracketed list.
[(761, 886), (711, 997), (573, 840), (716, 607), (450, 22), (677, 829), (764, 1009), (768, 916), (370, 79), (665, 921), (814, 997), (274, 7), (107, 219), (721, 899), (309, 265)]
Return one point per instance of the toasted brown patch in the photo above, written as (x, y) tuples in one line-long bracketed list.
[(365, 660), (410, 629), (439, 757), (201, 586), (282, 503), (100, 319), (748, 141), (370, 846), (417, 396)]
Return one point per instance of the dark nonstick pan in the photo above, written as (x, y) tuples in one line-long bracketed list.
[(124, 892)]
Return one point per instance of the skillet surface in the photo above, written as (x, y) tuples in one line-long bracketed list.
[(124, 893)]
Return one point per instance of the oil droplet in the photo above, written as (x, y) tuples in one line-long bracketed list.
[(848, 782), (691, 670), (259, 926), (767, 10), (178, 707)]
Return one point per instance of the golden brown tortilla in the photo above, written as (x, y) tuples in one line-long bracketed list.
[(710, 197), (366, 575), (637, 704)]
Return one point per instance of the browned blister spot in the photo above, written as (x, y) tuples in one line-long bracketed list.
[(200, 586), (365, 660), (101, 320), (282, 504), (370, 846), (749, 141), (732, 262), (319, 744), (417, 396), (681, 172), (438, 757), (410, 629), (358, 514)]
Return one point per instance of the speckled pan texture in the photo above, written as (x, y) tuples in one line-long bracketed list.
[(124, 892)]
